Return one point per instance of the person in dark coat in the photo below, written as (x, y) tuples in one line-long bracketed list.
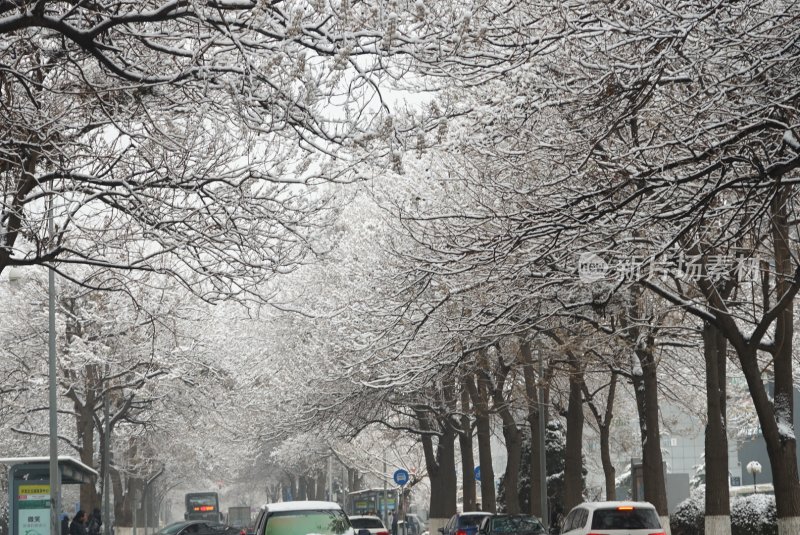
[(78, 526), (64, 524), (95, 521)]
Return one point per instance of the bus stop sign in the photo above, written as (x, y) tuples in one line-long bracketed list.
[(400, 477)]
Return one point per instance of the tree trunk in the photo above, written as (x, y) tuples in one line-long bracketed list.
[(441, 466), (609, 472), (513, 440), (480, 400), (127, 495), (302, 491), (322, 486), (718, 513), (604, 426), (532, 393), (84, 406), (467, 457), (511, 434), (780, 437), (646, 389), (573, 455), (84, 419)]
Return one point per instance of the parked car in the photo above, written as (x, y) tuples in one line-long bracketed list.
[(294, 518), (631, 518), (503, 524), (415, 524), (197, 527), (372, 523), (464, 523)]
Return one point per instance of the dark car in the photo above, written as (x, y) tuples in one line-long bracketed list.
[(464, 523), (511, 525), (198, 527)]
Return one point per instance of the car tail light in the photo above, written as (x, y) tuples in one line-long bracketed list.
[(382, 533), (243, 532), (625, 508), (658, 533), (461, 532)]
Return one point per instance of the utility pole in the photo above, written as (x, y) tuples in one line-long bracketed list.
[(330, 478), (106, 463), (542, 448), (385, 501), (55, 487)]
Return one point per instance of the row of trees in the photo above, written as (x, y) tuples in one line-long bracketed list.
[(610, 185), (624, 195)]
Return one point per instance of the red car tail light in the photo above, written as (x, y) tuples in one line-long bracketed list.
[(382, 533), (461, 532)]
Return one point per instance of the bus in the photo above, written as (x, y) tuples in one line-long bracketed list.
[(377, 502), (202, 506)]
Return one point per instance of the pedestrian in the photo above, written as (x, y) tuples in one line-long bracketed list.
[(64, 524), (394, 523), (95, 521), (78, 525)]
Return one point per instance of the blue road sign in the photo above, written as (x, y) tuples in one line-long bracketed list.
[(400, 477), (477, 473)]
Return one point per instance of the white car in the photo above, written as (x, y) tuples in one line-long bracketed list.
[(304, 518), (372, 523), (612, 518)]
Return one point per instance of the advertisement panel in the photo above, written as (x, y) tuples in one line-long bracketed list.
[(33, 513)]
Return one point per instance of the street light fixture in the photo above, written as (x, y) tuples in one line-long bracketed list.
[(754, 467)]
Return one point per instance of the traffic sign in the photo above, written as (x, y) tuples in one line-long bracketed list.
[(477, 473), (400, 477)]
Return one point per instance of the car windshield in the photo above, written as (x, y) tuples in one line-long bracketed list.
[(516, 524), (625, 519), (366, 523), (468, 521), (308, 523), (172, 528)]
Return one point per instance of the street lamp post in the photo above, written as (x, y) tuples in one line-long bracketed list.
[(106, 475), (542, 448), (754, 467), (55, 490)]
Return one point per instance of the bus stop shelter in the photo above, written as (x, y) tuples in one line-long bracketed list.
[(29, 490)]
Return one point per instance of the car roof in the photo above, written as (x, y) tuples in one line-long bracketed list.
[(363, 516), (302, 506), (475, 513), (593, 506)]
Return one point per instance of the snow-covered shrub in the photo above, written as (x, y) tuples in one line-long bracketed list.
[(754, 515), (688, 518), (750, 515)]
